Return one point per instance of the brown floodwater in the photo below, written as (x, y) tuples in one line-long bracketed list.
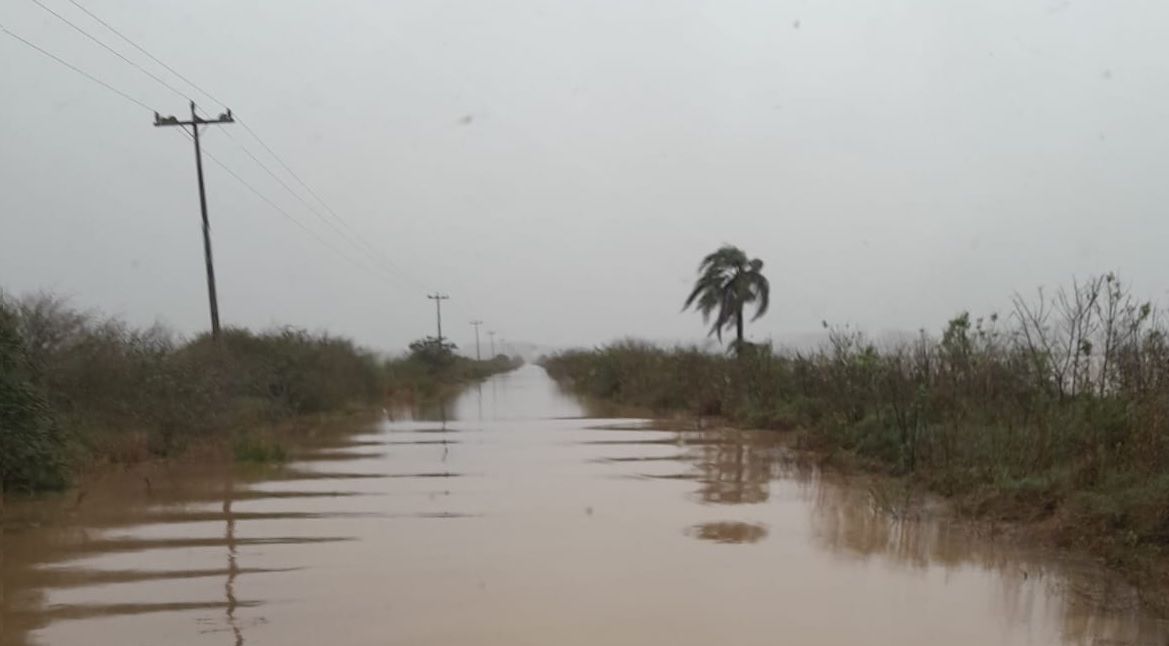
[(519, 520)]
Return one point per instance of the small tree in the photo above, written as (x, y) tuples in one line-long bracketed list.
[(434, 353)]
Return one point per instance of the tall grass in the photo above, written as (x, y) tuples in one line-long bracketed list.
[(1059, 408), (78, 388)]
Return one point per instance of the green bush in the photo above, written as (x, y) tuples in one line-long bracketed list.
[(80, 386), (432, 368), (31, 447), (1070, 393)]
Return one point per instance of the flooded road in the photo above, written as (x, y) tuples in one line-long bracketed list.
[(517, 521)]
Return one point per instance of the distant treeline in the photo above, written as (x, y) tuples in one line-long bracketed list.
[(1058, 410), (78, 388)]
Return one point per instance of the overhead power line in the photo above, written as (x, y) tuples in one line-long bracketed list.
[(357, 240), (350, 235), (288, 216), (152, 57), (381, 256), (76, 69), (109, 49), (354, 241), (214, 159)]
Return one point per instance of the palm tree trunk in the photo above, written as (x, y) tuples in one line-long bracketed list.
[(739, 325)]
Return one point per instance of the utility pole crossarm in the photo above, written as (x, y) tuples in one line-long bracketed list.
[(196, 120)]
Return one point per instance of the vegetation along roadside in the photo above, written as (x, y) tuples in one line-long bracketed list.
[(1054, 415), (79, 390)]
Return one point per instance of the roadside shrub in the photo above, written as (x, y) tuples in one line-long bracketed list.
[(1069, 392), (31, 448), (76, 386)]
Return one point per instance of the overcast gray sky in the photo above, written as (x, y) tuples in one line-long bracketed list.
[(559, 167)]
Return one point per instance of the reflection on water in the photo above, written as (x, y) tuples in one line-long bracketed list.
[(437, 527), (734, 472), (232, 564), (1094, 607), (433, 411)]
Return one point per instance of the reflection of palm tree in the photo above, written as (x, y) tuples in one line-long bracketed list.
[(728, 532), (727, 282), (735, 471)]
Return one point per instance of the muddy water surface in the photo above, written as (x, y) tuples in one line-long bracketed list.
[(518, 521)]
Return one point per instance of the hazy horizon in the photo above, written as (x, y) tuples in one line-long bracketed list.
[(560, 168)]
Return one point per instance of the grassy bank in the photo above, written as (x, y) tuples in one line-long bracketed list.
[(1056, 414), (79, 389)]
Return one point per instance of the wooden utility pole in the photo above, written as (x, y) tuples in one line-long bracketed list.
[(478, 357), (438, 299), (491, 335), (194, 123)]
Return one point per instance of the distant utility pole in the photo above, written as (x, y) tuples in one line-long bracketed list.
[(438, 299), (491, 335), (478, 357), (194, 123)]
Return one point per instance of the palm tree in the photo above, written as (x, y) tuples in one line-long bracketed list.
[(728, 281)]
